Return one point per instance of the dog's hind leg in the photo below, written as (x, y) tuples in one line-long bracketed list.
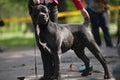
[(81, 54), (89, 42), (93, 47)]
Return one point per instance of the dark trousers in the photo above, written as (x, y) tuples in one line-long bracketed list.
[(100, 20)]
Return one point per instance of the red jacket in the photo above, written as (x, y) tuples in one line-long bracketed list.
[(78, 4)]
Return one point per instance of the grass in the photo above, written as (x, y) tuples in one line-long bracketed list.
[(14, 35), (14, 39)]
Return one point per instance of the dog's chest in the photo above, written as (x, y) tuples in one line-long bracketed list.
[(46, 37), (58, 37)]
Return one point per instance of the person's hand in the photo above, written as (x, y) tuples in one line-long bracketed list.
[(36, 1), (106, 6), (86, 16), (86, 21)]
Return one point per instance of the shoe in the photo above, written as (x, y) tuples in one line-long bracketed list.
[(83, 68)]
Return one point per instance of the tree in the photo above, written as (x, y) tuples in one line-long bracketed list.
[(114, 13)]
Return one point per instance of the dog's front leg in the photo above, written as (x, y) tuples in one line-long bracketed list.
[(46, 59), (47, 65), (56, 61)]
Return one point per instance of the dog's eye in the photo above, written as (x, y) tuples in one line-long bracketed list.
[(44, 10)]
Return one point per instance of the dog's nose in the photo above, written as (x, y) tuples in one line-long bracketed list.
[(41, 14)]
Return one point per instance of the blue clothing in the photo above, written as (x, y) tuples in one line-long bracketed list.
[(97, 5), (100, 20)]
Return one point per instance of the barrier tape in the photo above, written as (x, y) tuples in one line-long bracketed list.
[(20, 19), (115, 8), (60, 14)]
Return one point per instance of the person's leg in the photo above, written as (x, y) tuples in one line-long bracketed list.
[(53, 12), (95, 31), (105, 28), (94, 18)]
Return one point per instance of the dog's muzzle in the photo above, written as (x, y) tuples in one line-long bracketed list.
[(42, 18)]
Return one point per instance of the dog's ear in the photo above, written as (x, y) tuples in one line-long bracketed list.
[(42, 8), (30, 4)]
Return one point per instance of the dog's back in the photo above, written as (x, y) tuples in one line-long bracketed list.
[(74, 27)]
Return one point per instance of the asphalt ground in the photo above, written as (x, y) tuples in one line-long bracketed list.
[(19, 62)]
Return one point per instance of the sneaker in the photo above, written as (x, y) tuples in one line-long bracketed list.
[(83, 68)]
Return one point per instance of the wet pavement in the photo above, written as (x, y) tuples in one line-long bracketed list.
[(20, 63)]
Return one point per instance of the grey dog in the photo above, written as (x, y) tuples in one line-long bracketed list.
[(54, 39)]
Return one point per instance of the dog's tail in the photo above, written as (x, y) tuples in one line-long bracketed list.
[(86, 21)]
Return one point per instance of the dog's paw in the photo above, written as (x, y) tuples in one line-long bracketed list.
[(106, 76), (44, 78), (56, 77), (86, 73)]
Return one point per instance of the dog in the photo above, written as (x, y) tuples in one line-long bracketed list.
[(54, 39)]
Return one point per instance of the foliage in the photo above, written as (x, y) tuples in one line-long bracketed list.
[(114, 2), (17, 8), (12, 8), (14, 36), (70, 5)]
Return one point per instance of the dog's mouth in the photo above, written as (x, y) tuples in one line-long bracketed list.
[(42, 20)]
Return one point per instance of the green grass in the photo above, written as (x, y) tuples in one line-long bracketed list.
[(14, 36), (14, 39)]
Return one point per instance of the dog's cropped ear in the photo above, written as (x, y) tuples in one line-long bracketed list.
[(31, 6)]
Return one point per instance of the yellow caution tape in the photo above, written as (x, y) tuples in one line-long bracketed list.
[(60, 14)]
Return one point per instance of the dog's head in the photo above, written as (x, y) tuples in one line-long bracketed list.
[(42, 14)]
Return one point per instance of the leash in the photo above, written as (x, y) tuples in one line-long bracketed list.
[(36, 72), (44, 46), (35, 58)]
